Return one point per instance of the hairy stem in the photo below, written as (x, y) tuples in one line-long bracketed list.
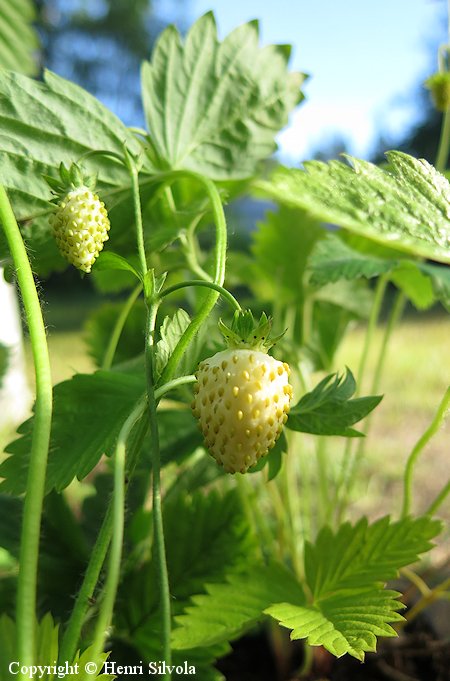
[(439, 500), (158, 528), (418, 448), (118, 515), (219, 275), (29, 546)]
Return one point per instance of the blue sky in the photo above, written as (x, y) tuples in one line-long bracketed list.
[(365, 60)]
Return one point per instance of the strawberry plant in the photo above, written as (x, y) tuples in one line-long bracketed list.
[(158, 558)]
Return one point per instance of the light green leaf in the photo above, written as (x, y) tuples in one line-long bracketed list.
[(171, 331), (18, 38), (88, 413), (107, 260), (406, 207), (46, 123), (281, 248), (227, 609), (213, 107), (416, 285), (342, 624), (328, 409), (344, 572)]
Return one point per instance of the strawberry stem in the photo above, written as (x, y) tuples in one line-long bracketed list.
[(29, 551), (205, 284)]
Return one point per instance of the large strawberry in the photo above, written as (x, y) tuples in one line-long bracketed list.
[(242, 396), (80, 223)]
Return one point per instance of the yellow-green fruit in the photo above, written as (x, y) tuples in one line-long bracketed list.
[(241, 402), (80, 226)]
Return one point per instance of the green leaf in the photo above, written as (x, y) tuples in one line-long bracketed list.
[(229, 608), (107, 260), (89, 411), (207, 537), (333, 259), (44, 124), (18, 38), (281, 248), (273, 460), (416, 285), (99, 327), (46, 635), (4, 357), (347, 623), (423, 283), (215, 108), (344, 572), (171, 331), (328, 409), (406, 206)]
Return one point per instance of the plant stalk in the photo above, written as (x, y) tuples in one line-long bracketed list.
[(417, 450), (29, 546), (118, 522)]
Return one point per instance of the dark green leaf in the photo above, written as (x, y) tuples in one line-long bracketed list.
[(207, 537), (405, 207), (328, 409), (99, 327), (215, 107), (333, 259), (89, 411), (227, 609)]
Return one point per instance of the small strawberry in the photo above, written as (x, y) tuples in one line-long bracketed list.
[(242, 396), (80, 224)]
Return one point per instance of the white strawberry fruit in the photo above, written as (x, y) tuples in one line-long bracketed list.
[(80, 223), (242, 396)]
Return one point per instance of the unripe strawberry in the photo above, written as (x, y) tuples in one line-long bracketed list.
[(241, 401), (81, 227), (80, 223)]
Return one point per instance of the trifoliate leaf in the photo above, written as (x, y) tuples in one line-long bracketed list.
[(406, 206), (329, 409), (344, 572), (88, 413), (213, 107), (227, 609)]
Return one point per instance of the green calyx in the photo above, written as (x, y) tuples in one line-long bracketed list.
[(68, 180), (246, 333)]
